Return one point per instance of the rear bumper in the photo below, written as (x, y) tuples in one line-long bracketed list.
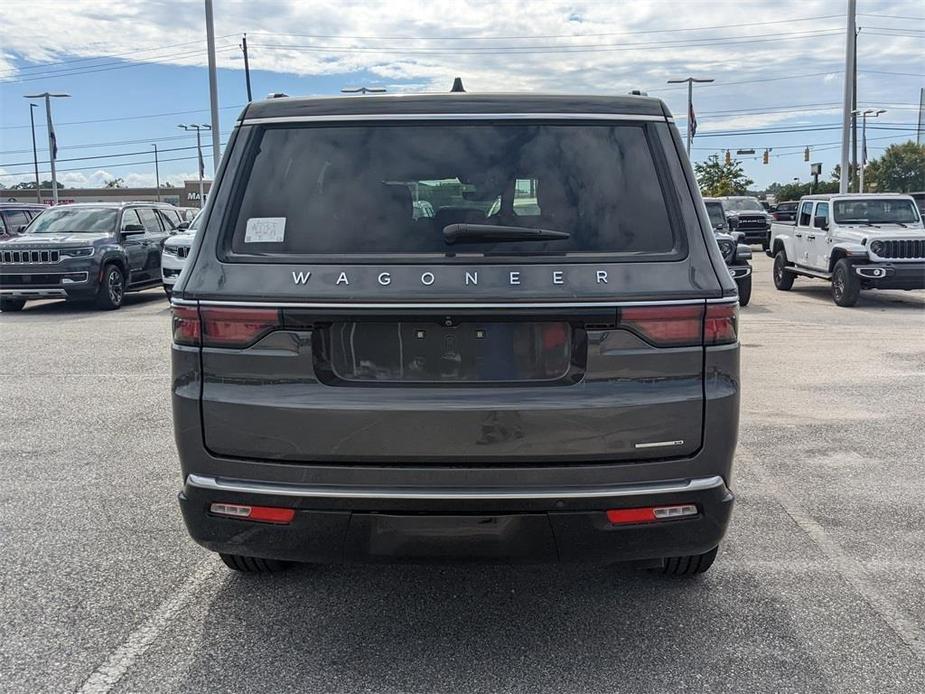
[(363, 524), (892, 275), (755, 235)]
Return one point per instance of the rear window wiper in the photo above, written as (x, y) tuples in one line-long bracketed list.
[(474, 233)]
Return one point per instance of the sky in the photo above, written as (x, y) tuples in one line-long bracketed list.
[(135, 70)]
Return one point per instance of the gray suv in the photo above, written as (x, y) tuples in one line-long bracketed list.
[(93, 252), (545, 369)]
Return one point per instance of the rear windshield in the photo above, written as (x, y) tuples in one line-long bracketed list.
[(391, 189), (868, 211), (717, 216)]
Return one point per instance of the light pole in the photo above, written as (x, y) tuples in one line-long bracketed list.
[(198, 128), (691, 120), (213, 87), (849, 96), (873, 113), (35, 153), (157, 177), (52, 139)]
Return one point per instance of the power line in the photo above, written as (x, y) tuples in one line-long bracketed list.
[(122, 118), (541, 36)]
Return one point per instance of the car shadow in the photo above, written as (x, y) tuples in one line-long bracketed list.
[(870, 298), (52, 307), (479, 628)]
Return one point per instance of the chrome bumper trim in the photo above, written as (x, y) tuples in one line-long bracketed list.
[(34, 293), (448, 305), (331, 492)]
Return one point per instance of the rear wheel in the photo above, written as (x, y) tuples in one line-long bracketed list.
[(745, 290), (690, 565), (783, 280), (10, 305), (253, 565), (112, 288), (846, 285)]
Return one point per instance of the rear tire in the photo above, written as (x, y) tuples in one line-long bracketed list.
[(11, 305), (690, 565), (846, 285), (253, 565), (783, 280), (112, 288), (745, 290)]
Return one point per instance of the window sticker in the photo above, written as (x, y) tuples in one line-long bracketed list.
[(265, 230)]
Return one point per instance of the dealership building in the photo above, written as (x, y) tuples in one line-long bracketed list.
[(187, 196)]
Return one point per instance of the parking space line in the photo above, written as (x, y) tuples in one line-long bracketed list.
[(852, 570), (108, 674)]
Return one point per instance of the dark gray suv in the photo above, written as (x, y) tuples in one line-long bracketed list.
[(93, 252), (545, 369)]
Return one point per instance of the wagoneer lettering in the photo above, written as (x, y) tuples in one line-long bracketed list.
[(494, 324)]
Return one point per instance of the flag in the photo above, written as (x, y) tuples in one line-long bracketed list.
[(864, 150), (52, 140), (202, 165), (691, 119)]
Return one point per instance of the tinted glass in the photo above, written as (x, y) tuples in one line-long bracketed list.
[(822, 210), (874, 211), (168, 219), (75, 220), (149, 219), (806, 213), (130, 218), (744, 204), (392, 189), (16, 219)]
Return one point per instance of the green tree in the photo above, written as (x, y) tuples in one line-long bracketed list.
[(114, 183), (719, 178), (30, 185), (901, 169)]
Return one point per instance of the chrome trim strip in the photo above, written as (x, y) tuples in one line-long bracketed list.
[(35, 293), (332, 492), (451, 116), (448, 306), (659, 444)]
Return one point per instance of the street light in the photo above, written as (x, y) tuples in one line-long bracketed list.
[(157, 177), (198, 128), (691, 120), (52, 140), (873, 113)]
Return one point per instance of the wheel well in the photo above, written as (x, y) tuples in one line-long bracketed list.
[(778, 246), (115, 260), (837, 255)]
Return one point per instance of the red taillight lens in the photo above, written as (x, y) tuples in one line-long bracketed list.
[(186, 328), (264, 514), (236, 327), (720, 326), (664, 326)]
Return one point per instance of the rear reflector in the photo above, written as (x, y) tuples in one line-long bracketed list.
[(236, 327), (265, 514), (664, 326), (623, 516)]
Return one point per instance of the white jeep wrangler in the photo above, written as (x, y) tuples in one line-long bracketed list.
[(854, 241)]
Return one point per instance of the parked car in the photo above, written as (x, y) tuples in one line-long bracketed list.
[(176, 250), (746, 214), (785, 211), (188, 214), (351, 383), (736, 255), (86, 252), (869, 241), (15, 216)]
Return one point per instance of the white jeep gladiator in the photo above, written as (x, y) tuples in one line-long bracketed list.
[(854, 241)]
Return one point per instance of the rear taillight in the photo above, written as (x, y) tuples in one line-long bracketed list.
[(682, 326), (263, 514), (222, 327), (648, 514), (186, 328), (664, 326), (236, 327), (720, 326)]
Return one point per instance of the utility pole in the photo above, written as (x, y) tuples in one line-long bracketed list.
[(52, 138), (213, 87), (35, 153), (198, 127), (918, 133), (157, 177), (854, 107), (247, 68), (846, 110), (691, 120)]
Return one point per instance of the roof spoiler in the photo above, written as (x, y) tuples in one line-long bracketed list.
[(457, 85)]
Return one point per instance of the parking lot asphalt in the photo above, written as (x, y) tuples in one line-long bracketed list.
[(820, 585)]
